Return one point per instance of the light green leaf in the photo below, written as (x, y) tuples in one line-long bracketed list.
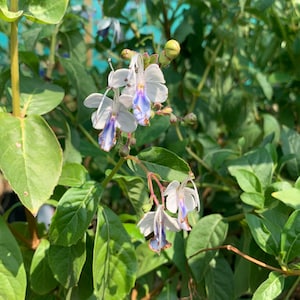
[(209, 232), (265, 85), (290, 238), (41, 278), (73, 175), (48, 12), (254, 199), (12, 271), (66, 263), (9, 16), (271, 126), (290, 197), (39, 97), (163, 162), (30, 158), (219, 280), (74, 213), (271, 288), (114, 261), (258, 162), (247, 180), (261, 234)]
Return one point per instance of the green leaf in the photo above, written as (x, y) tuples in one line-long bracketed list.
[(114, 261), (163, 162), (135, 190), (147, 134), (12, 271), (265, 85), (73, 175), (271, 288), (30, 158), (66, 263), (271, 126), (290, 238), (39, 97), (148, 260), (258, 162), (113, 8), (262, 235), (290, 143), (74, 213), (219, 280), (6, 14), (254, 199), (209, 232), (290, 197), (41, 278), (48, 12), (247, 180)]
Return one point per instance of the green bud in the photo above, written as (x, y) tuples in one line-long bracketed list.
[(190, 119), (124, 151)]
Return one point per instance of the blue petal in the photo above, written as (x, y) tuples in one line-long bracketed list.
[(141, 107), (182, 208), (107, 138)]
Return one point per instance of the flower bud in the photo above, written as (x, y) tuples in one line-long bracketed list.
[(124, 151), (172, 49), (173, 119), (190, 119), (127, 54)]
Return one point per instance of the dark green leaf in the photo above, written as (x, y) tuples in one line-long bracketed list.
[(41, 277), (163, 162), (113, 8), (66, 263)]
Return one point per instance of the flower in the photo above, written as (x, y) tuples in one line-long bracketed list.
[(145, 86), (105, 24), (110, 114), (182, 199), (157, 222)]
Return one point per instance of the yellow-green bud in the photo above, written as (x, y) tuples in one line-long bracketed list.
[(172, 49), (127, 53)]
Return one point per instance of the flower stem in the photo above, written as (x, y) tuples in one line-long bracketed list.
[(15, 77), (113, 172), (51, 62)]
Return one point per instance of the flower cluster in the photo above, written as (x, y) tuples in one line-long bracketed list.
[(136, 90), (180, 199)]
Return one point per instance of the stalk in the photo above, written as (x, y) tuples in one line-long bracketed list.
[(15, 77)]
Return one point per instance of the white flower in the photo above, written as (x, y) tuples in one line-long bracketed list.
[(105, 24), (157, 222), (111, 114), (182, 199), (145, 86)]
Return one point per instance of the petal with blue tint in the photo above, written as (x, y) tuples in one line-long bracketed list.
[(141, 107), (107, 138)]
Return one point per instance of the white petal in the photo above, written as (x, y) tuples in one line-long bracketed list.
[(146, 224), (171, 186), (171, 223), (126, 121), (93, 100), (156, 92), (189, 199), (126, 100), (154, 74), (118, 78), (99, 120), (171, 202), (104, 23)]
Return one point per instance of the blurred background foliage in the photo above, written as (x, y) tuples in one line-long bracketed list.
[(234, 91)]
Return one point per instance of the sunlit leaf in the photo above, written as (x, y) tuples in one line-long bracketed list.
[(209, 232), (290, 197), (271, 288), (30, 158), (114, 262), (12, 271), (74, 213)]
